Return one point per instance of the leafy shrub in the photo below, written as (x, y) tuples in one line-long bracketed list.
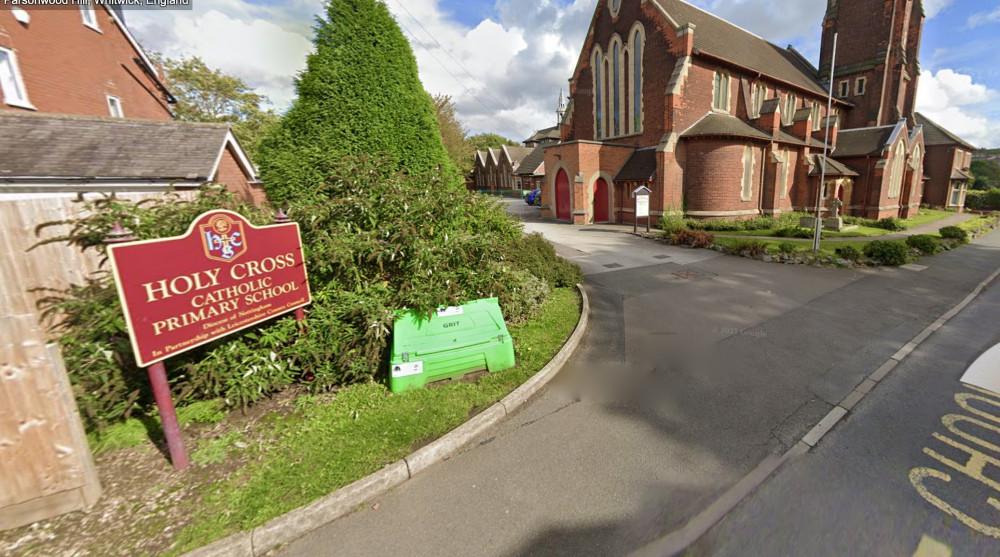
[(954, 233), (693, 238), (747, 248), (887, 252), (983, 200), (671, 224), (534, 253), (375, 241), (892, 224), (793, 232), (788, 248), (849, 253), (925, 243)]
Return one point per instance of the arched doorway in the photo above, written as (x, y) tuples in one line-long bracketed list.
[(602, 209), (562, 196)]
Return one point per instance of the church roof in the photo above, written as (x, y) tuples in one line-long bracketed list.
[(717, 37), (724, 125), (934, 134), (862, 141), (833, 168), (641, 167), (516, 155), (543, 134)]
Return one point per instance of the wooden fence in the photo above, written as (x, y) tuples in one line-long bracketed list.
[(46, 468)]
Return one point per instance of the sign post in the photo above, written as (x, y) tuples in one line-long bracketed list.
[(222, 276), (641, 197)]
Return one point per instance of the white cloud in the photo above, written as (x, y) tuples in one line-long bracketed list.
[(934, 7), (233, 36), (962, 106), (983, 18)]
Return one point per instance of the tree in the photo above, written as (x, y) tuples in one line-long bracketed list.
[(205, 94), (987, 174), (484, 141), (360, 94), (459, 149)]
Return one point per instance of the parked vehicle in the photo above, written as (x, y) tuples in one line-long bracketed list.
[(534, 197)]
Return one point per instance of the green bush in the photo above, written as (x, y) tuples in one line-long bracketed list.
[(534, 253), (849, 253), (788, 248), (983, 200), (954, 233), (926, 243), (359, 94), (375, 241), (693, 238), (671, 224), (794, 232), (892, 224), (887, 252), (747, 248)]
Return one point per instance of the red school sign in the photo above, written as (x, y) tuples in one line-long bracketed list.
[(222, 276)]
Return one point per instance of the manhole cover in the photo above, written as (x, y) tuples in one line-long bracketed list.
[(614, 266), (687, 274), (661, 257)]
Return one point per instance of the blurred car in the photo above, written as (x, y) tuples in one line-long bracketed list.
[(534, 197)]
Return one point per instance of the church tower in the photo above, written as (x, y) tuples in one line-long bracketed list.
[(877, 50)]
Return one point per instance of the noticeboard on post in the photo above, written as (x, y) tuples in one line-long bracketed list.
[(222, 276)]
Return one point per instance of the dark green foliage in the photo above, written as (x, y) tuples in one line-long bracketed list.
[(926, 243), (788, 248), (983, 200), (892, 224), (484, 141), (849, 253), (535, 254), (987, 174), (692, 238), (794, 232), (954, 233), (359, 94), (671, 224), (887, 252), (736, 225), (747, 248), (375, 241)]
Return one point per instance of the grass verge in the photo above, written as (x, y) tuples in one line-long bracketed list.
[(803, 245), (333, 440)]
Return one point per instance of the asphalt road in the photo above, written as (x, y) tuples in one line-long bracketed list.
[(916, 462), (695, 368)]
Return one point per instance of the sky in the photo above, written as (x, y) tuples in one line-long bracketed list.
[(504, 62)]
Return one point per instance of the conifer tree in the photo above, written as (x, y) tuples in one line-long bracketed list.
[(360, 94)]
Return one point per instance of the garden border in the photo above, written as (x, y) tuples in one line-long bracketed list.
[(295, 524)]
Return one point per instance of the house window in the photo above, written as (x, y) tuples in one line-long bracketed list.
[(786, 163), (115, 107), (89, 15), (757, 99), (10, 80), (720, 100), (859, 85), (844, 88), (789, 112), (748, 160), (956, 195), (896, 176)]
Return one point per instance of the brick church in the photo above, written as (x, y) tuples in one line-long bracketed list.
[(720, 123)]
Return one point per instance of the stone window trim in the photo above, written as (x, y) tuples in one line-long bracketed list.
[(788, 110), (11, 80), (636, 78), (786, 163), (859, 86), (89, 15), (758, 94), (721, 90), (597, 70), (897, 170), (749, 160), (844, 88), (816, 116), (614, 6)]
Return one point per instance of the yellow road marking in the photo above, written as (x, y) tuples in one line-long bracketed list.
[(929, 547)]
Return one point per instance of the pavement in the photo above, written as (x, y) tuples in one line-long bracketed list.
[(696, 368)]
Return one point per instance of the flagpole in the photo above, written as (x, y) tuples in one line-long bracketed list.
[(826, 146)]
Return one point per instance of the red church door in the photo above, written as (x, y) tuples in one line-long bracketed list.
[(562, 196), (602, 212)]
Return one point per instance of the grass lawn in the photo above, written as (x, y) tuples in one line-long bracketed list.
[(860, 232), (827, 249), (332, 440), (976, 224), (928, 216)]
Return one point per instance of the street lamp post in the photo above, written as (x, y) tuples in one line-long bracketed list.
[(826, 147)]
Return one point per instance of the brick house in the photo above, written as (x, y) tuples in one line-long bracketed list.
[(494, 169), (63, 64), (530, 173), (946, 172), (735, 124)]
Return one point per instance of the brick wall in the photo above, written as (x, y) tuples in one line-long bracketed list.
[(938, 165), (70, 68), (232, 175), (714, 177)]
